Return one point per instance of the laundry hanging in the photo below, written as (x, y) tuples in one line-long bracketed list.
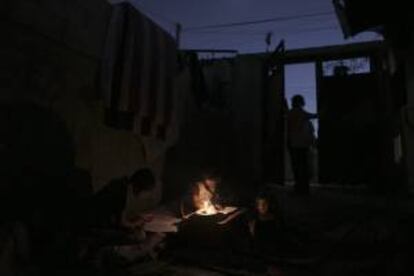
[(138, 71)]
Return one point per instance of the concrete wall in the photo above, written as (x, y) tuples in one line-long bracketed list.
[(248, 116), (50, 56), (408, 111), (228, 139)]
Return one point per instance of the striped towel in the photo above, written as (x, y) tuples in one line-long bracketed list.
[(138, 71)]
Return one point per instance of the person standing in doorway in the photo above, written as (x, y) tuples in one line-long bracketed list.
[(300, 138)]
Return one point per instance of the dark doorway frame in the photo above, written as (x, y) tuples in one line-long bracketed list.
[(375, 51)]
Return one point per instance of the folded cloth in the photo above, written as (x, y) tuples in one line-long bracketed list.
[(162, 223)]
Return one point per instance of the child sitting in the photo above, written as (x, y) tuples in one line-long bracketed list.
[(265, 225)]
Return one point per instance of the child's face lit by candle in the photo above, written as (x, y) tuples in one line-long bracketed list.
[(203, 193), (262, 206), (211, 184)]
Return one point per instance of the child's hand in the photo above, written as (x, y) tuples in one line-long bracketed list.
[(147, 217), (137, 221), (252, 227), (218, 207)]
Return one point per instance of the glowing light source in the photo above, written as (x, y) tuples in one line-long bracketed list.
[(207, 209)]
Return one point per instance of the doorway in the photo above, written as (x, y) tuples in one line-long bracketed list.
[(301, 79), (349, 128)]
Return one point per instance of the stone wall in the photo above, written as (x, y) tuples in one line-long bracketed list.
[(50, 57)]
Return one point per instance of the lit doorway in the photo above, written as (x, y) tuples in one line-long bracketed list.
[(301, 79)]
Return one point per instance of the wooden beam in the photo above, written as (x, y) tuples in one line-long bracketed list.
[(328, 52), (331, 52), (211, 51)]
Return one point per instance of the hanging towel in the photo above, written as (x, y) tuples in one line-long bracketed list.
[(138, 70)]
